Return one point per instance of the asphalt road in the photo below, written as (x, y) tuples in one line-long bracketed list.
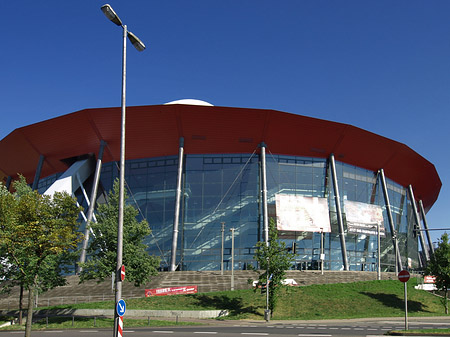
[(367, 328)]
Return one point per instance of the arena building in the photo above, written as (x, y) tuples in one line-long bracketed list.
[(195, 171)]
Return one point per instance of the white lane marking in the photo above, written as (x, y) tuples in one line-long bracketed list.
[(162, 331), (255, 333), (206, 332)]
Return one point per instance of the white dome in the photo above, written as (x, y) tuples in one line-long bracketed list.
[(190, 101)]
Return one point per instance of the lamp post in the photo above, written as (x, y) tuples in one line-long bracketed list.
[(379, 252), (111, 15), (267, 311), (395, 252), (221, 250), (322, 255), (232, 258)]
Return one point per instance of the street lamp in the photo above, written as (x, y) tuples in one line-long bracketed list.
[(232, 258), (322, 255), (221, 251), (111, 15), (378, 250), (378, 253)]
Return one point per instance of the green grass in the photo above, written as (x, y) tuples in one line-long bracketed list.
[(88, 322), (444, 332), (357, 300), (332, 301)]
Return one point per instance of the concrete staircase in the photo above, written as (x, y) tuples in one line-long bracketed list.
[(206, 281)]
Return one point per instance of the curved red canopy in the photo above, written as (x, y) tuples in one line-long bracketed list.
[(153, 131)]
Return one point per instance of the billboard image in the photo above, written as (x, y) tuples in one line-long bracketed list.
[(302, 214), (363, 218)]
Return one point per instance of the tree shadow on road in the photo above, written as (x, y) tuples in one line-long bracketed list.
[(394, 301), (235, 305)]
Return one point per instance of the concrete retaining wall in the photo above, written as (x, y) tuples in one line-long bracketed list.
[(200, 314)]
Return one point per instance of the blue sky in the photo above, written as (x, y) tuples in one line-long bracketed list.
[(383, 65)]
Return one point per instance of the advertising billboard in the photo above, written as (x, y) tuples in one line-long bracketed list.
[(363, 218), (302, 214)]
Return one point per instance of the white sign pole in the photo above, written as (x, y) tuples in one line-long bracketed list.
[(406, 307), (403, 276)]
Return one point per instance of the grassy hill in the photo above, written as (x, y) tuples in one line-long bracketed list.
[(328, 301)]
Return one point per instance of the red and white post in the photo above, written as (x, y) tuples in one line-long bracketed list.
[(120, 327)]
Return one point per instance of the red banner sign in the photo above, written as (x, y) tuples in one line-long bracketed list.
[(429, 279), (171, 291)]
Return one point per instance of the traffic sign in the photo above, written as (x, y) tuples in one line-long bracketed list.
[(122, 273), (121, 307), (403, 276)]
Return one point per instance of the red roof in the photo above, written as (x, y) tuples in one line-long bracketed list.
[(153, 131)]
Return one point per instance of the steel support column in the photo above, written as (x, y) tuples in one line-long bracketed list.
[(38, 172), (177, 206), (417, 220), (390, 219), (425, 225), (337, 200), (264, 193), (92, 200)]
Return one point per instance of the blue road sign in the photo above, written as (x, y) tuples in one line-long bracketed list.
[(121, 307)]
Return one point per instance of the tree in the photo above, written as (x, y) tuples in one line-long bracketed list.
[(274, 259), (35, 231), (102, 249), (52, 268), (439, 266)]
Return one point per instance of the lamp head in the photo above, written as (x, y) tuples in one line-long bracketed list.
[(111, 15), (135, 41)]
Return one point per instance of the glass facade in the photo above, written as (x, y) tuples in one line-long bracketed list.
[(225, 190)]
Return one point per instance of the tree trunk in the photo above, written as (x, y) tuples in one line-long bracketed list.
[(20, 304), (446, 301), (31, 289)]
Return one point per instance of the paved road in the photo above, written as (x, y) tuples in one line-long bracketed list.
[(366, 328)]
